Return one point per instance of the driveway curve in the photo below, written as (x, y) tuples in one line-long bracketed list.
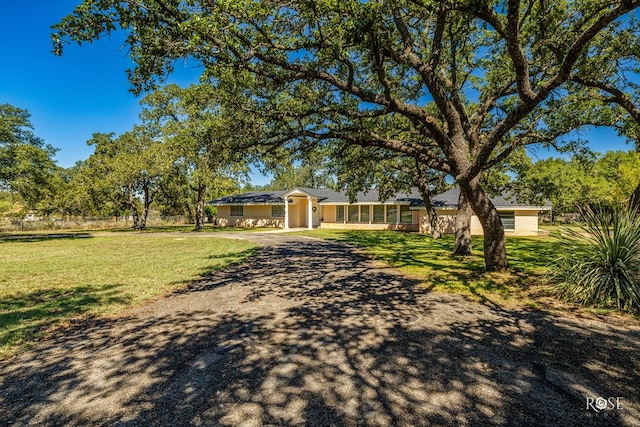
[(313, 333)]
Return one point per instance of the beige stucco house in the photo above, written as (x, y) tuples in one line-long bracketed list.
[(311, 208)]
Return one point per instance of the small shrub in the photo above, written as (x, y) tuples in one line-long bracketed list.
[(601, 261)]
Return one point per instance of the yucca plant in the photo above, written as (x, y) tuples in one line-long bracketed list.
[(601, 261)]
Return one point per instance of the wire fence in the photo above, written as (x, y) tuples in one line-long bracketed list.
[(87, 223)]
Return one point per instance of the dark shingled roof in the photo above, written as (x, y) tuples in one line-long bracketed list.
[(443, 200), (251, 198), (371, 196), (450, 199)]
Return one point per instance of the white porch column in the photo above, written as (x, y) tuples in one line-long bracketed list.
[(309, 212), (397, 214), (286, 213)]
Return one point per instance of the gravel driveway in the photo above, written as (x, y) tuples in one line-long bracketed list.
[(313, 333)]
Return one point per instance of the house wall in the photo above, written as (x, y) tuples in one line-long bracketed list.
[(331, 214), (330, 221), (223, 214), (526, 222), (328, 214), (254, 216), (476, 227), (303, 211), (446, 219), (316, 213), (298, 213), (415, 217)]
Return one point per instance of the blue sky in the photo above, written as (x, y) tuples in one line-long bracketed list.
[(86, 90), (70, 97)]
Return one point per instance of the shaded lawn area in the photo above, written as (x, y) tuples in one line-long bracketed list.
[(50, 279), (430, 260)]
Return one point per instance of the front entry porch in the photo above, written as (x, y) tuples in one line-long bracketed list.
[(301, 210)]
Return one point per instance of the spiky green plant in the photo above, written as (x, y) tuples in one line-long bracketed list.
[(601, 263)]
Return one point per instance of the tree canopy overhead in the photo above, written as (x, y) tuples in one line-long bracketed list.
[(457, 85)]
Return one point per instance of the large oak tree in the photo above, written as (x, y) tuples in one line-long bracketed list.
[(197, 137), (472, 80), (27, 167)]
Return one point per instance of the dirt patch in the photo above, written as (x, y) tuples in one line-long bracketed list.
[(313, 333)]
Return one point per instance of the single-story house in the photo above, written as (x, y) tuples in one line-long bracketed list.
[(311, 208)]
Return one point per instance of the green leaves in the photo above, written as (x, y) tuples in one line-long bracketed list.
[(602, 265), (26, 162), (607, 179), (451, 68)]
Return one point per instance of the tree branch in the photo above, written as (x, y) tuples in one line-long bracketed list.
[(617, 96)]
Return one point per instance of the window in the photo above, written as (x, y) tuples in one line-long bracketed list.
[(392, 212), (237, 210), (378, 213), (277, 211), (353, 213), (364, 214), (508, 220), (406, 216), (339, 213)]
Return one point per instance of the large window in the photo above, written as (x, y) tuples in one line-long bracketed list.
[(508, 220), (353, 213), (339, 213), (277, 211), (237, 210), (378, 213), (406, 216), (364, 214), (392, 214)]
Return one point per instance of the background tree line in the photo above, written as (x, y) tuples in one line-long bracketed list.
[(184, 154), (178, 157)]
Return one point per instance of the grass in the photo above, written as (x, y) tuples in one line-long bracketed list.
[(49, 279), (430, 260), (559, 228), (190, 228)]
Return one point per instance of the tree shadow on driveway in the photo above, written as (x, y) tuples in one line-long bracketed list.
[(312, 333)]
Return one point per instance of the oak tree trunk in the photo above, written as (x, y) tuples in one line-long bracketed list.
[(134, 208), (462, 245), (202, 189), (425, 192), (495, 253), (147, 204), (436, 232)]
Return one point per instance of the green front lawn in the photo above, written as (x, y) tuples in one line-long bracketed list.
[(430, 260), (49, 279), (189, 228)]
